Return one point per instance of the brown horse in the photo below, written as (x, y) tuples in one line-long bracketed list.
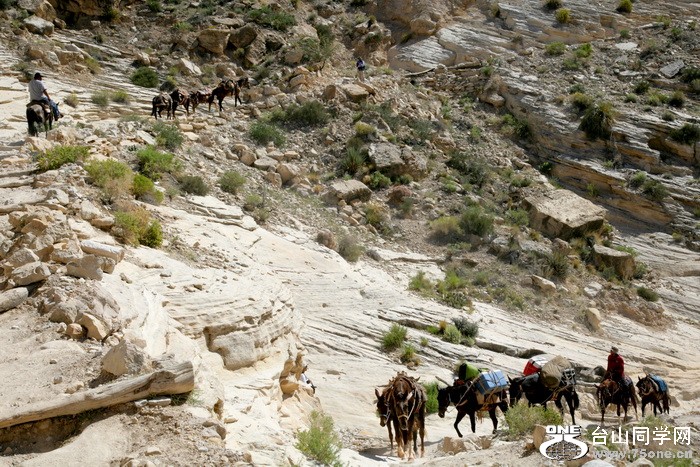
[(464, 397), (228, 88), (162, 102), (405, 400), (650, 393), (537, 393), (199, 97), (612, 392), (387, 418), (38, 114), (180, 97)]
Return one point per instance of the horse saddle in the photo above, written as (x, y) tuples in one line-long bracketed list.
[(43, 104)]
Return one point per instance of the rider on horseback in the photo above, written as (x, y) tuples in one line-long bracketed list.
[(39, 94), (616, 370)]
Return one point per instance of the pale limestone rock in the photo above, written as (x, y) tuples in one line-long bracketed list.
[(68, 311), (188, 68), (265, 163), (274, 178), (115, 253), (288, 172), (96, 329), (30, 273), (293, 57), (347, 190), (65, 252), (75, 331), (454, 445), (621, 261), (244, 36), (125, 358), (539, 435), (354, 92), (298, 80), (92, 214), (40, 8), (329, 92), (544, 285), (326, 238), (19, 258), (87, 267), (592, 290), (38, 25), (672, 69), (563, 214), (12, 298), (214, 40), (247, 157)]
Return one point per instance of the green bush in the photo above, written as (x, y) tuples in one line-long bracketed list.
[(584, 50), (522, 419), (72, 100), (363, 129), (518, 217), (638, 179), (60, 155), (279, 20), (135, 227), (154, 5), (6, 4), (597, 121), (552, 4), (647, 294), (309, 114), (145, 77), (420, 283), (431, 391), (555, 48), (408, 353), (353, 161), (558, 264), (655, 190), (581, 101), (100, 98), (378, 180), (452, 334), (264, 133), (518, 127), (468, 329), (143, 188), (194, 184), (394, 338), (690, 74), (422, 129), (120, 97), (677, 99), (153, 163), (474, 169), (446, 229), (475, 221), (168, 136), (563, 16), (642, 87), (103, 171), (349, 249), (153, 235), (231, 181), (625, 6), (688, 134)]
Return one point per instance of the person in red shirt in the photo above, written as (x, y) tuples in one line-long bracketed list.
[(616, 369)]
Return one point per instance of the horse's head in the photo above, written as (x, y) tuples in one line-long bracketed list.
[(645, 386), (382, 407), (404, 401), (605, 391), (516, 389), (443, 398), (243, 83)]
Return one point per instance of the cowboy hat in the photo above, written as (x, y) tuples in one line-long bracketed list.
[(614, 349)]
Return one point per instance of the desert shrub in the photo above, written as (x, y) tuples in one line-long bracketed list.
[(349, 249), (154, 5), (6, 4), (408, 353), (690, 74), (320, 442), (518, 127), (231, 181), (654, 189), (72, 100), (625, 6), (309, 114), (277, 19), (475, 221), (522, 419), (378, 180), (552, 4), (394, 337), (145, 77), (558, 263), (420, 283), (563, 16), (100, 98), (120, 97), (581, 101), (647, 294), (431, 391), (398, 194), (167, 135), (103, 171), (363, 129), (60, 155), (597, 120), (353, 160), (135, 227), (624, 33), (584, 50), (638, 179), (446, 229), (468, 329), (143, 188), (677, 99), (571, 63), (376, 216), (642, 87), (264, 133), (194, 184), (687, 134), (153, 163), (668, 116), (474, 169), (518, 216), (422, 129), (555, 48), (452, 334)]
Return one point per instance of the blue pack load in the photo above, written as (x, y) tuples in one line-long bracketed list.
[(491, 381), (660, 382)]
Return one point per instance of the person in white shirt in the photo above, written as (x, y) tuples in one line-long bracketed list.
[(305, 379), (38, 92)]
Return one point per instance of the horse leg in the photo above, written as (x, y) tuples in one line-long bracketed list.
[(572, 408), (422, 438), (460, 416), (472, 419), (492, 414), (221, 104)]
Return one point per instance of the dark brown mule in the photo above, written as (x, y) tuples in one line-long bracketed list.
[(180, 97), (228, 88), (464, 397), (199, 97), (38, 114), (406, 399), (387, 418), (160, 103), (650, 393), (240, 84), (611, 392)]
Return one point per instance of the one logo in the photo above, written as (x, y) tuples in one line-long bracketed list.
[(563, 445)]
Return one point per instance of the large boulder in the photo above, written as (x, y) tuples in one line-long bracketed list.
[(12, 298), (243, 37), (563, 214), (188, 68), (621, 261), (355, 93), (38, 25), (125, 358), (393, 161), (214, 40), (347, 190), (40, 8)]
